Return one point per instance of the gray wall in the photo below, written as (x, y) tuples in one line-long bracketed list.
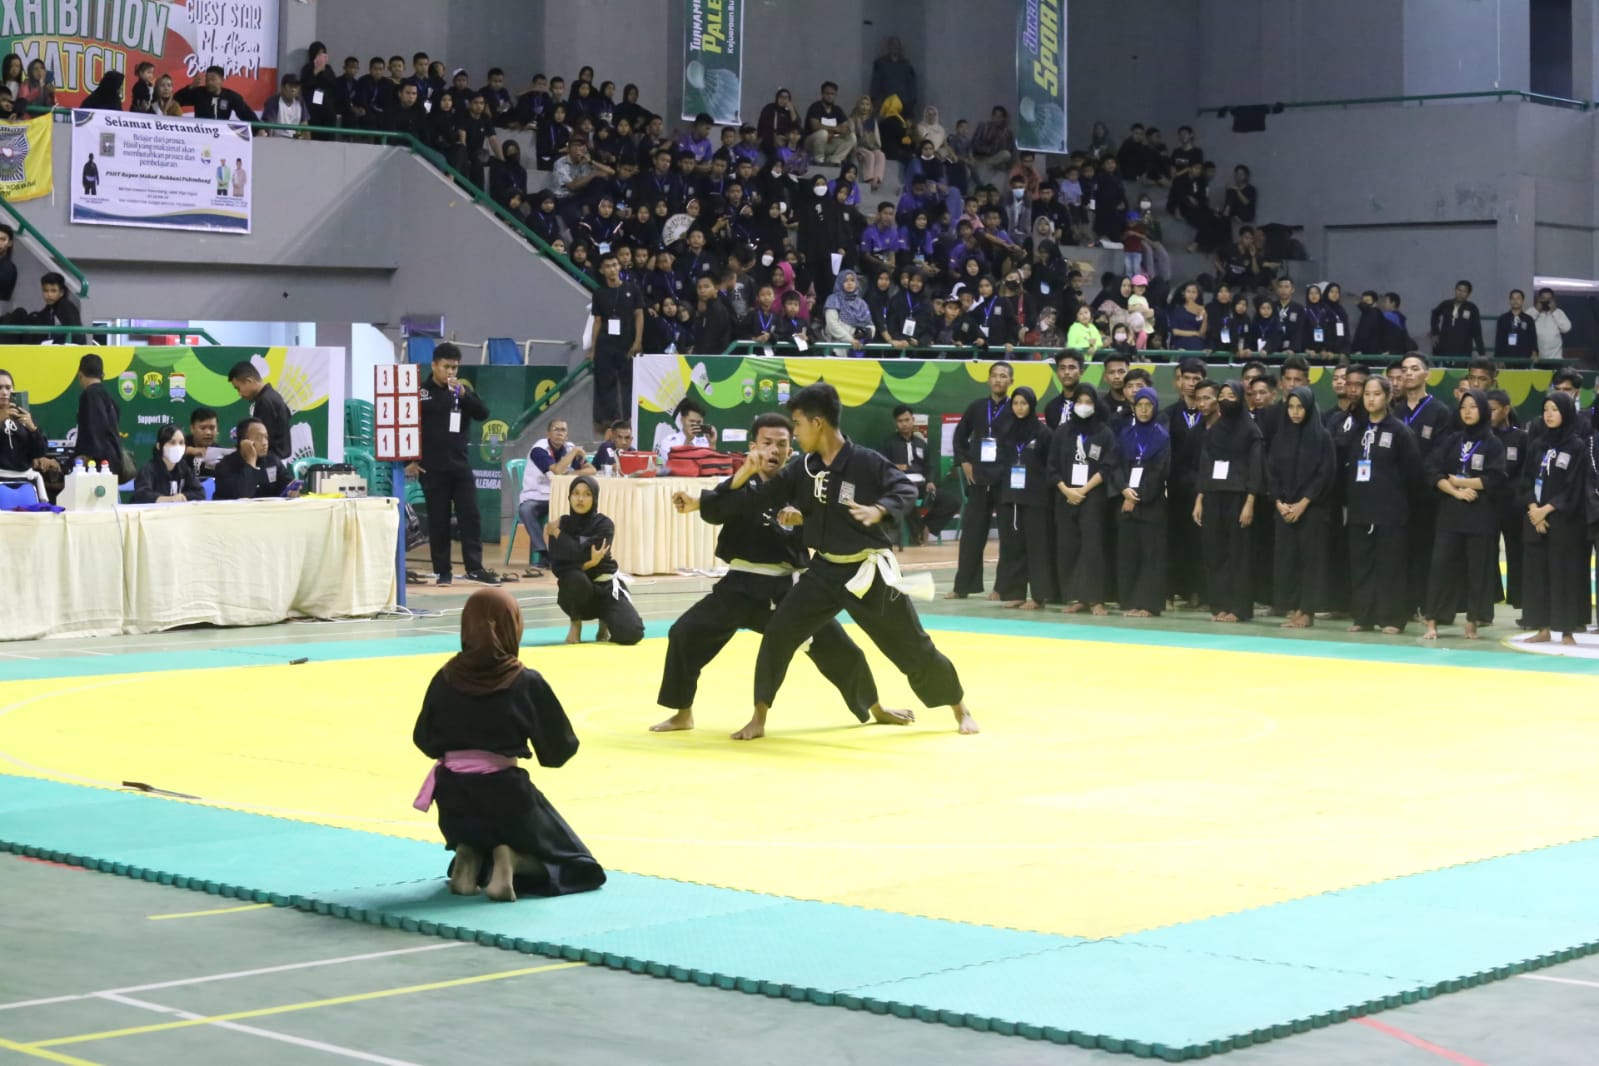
[(342, 232)]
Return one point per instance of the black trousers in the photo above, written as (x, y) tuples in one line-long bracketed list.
[(1026, 555), (1141, 563), (1185, 571), (1300, 561), (748, 601), (976, 517), (1080, 548), (1227, 547), (444, 489), (1463, 563), (1511, 521), (1336, 592), (1420, 525), (1555, 581), (884, 613), (581, 600), (1263, 534), (613, 385), (1379, 589)]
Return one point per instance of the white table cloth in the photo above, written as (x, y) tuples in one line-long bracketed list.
[(64, 573), (651, 537)]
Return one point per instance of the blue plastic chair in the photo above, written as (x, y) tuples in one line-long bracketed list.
[(514, 470), (420, 349), (18, 494), (503, 351)]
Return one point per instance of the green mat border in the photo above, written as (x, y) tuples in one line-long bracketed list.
[(803, 994)]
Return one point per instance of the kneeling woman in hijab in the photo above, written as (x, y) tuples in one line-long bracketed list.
[(1081, 456), (1026, 547), (483, 711), (1301, 470), (1467, 469), (589, 583), (1140, 482), (1230, 479), (1554, 487)]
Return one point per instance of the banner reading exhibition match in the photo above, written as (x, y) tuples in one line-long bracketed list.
[(79, 40), (713, 60), (26, 169), (1041, 75), (160, 172)]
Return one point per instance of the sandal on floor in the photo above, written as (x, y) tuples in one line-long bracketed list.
[(414, 578), (532, 571)]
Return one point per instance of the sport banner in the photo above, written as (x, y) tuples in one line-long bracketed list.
[(509, 391), (1041, 75), (713, 60), (161, 173), (79, 40), (26, 167)]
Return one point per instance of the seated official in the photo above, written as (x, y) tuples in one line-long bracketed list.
[(618, 438), (167, 477), (552, 454), (202, 450), (907, 451), (252, 472), (690, 430)]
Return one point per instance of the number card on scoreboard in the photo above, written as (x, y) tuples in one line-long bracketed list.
[(398, 411)]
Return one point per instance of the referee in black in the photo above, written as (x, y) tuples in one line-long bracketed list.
[(618, 336), (449, 407)]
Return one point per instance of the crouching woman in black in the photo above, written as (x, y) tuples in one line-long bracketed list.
[(590, 587), (483, 712)]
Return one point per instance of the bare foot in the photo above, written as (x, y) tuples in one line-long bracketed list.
[(1227, 618), (574, 634), (1013, 604), (757, 725), (1432, 631), (603, 633), (1540, 637), (1357, 629), (1136, 612), (1098, 609), (1072, 608), (992, 596), (683, 720), (964, 719), (464, 871), (1391, 631), (1030, 605), (1471, 630), (500, 889), (886, 716), (1568, 639), (954, 595)]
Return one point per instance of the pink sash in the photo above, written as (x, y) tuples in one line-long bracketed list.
[(460, 762)]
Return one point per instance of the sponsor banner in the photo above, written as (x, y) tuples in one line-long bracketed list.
[(27, 169), (713, 60), (1041, 75), (161, 173)]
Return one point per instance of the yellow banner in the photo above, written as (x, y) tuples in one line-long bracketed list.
[(26, 171)]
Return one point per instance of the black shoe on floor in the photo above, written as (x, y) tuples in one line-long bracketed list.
[(446, 579), (483, 577)]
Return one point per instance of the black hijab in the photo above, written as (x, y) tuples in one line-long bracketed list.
[(1233, 434), (1087, 425), (1485, 418), (107, 96), (582, 525), (1298, 451), (1029, 427), (1566, 435)]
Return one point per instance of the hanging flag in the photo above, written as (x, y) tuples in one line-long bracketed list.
[(26, 170), (1041, 75), (713, 60)]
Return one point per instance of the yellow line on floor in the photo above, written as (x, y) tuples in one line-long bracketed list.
[(40, 1053), (207, 914), (265, 1012)]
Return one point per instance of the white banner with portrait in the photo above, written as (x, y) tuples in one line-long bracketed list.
[(160, 172)]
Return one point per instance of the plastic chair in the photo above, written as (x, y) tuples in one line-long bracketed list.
[(514, 470), (209, 484), (304, 463), (18, 494), (503, 351), (360, 424), (419, 349)]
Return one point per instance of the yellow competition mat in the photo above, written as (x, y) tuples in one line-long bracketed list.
[(1114, 788)]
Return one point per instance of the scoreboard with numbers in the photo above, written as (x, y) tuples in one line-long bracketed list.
[(398, 422)]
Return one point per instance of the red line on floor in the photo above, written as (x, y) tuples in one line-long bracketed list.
[(47, 862), (1417, 1042)]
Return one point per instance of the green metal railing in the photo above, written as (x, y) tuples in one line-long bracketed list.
[(121, 331), (1148, 355), (1421, 99), (549, 398), (67, 266)]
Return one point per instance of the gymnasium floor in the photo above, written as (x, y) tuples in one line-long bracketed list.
[(1186, 836)]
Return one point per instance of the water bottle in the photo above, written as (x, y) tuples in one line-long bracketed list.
[(77, 467)]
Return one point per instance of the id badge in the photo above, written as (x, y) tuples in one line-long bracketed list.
[(1338, 328), (767, 351), (1043, 288), (172, 488), (1219, 468), (272, 475), (613, 327), (455, 421), (801, 343), (909, 328), (1018, 477), (983, 330), (1512, 453), (1537, 489), (1362, 469), (1079, 475), (1260, 345), (1511, 340), (1318, 335), (988, 451), (316, 98), (1226, 335), (1135, 477)]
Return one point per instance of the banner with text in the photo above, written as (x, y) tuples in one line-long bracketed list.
[(160, 172), (1041, 75), (80, 40), (713, 60), (27, 171)]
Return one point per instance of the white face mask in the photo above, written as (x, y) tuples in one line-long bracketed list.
[(766, 260), (173, 453), (1017, 194), (1085, 411), (1121, 338), (1144, 205), (820, 190)]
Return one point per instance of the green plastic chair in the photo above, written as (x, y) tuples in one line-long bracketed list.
[(514, 470), (360, 424), (300, 466)]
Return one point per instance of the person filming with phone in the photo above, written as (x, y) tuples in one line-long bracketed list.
[(22, 444), (1552, 326)]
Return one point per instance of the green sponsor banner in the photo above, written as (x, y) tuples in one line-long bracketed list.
[(734, 390), (1041, 75), (713, 60), (508, 391)]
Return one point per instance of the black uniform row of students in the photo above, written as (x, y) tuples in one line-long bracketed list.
[(1378, 510)]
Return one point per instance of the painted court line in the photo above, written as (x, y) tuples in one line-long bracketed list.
[(184, 982), (265, 1034), (1560, 980), (1417, 1042), (209, 913), (41, 1053), (317, 1004)]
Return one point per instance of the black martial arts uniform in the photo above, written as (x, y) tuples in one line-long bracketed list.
[(154, 480), (1429, 422), (238, 480), (940, 506), (1343, 426), (1381, 479), (822, 492), (1512, 516), (1555, 581), (485, 811), (1231, 470), (978, 434), (1301, 464), (1026, 548), (1465, 554), (1081, 451), (1185, 573), (596, 592), (763, 558), (273, 411), (1141, 553), (1263, 533), (447, 479)]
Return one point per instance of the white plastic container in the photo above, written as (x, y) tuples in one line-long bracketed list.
[(88, 492)]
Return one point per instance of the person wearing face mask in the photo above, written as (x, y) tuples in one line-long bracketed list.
[(1139, 481), (167, 477), (1301, 469), (825, 238), (1026, 547), (1554, 490), (1468, 471), (1082, 454), (1382, 476), (1231, 476)]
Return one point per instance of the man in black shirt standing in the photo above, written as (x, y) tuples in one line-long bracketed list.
[(1516, 334), (99, 438), (976, 444), (210, 100), (265, 404), (475, 134), (618, 336), (449, 407), (1456, 326)]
